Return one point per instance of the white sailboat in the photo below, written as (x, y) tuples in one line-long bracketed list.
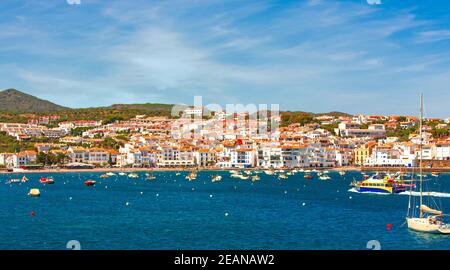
[(429, 220)]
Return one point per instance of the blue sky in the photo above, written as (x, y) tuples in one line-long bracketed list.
[(316, 55)]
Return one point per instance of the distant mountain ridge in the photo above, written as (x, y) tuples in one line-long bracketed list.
[(12, 100), (15, 101)]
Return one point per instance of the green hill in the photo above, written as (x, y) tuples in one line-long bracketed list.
[(12, 100), (147, 107)]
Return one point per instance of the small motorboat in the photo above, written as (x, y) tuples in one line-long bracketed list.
[(90, 183), (150, 177), (255, 178), (110, 174), (122, 174), (24, 179), (324, 177), (47, 180), (133, 175), (236, 175), (192, 176), (34, 192), (341, 173), (435, 174), (216, 178), (244, 177), (283, 177), (104, 176), (13, 181), (307, 176), (177, 174)]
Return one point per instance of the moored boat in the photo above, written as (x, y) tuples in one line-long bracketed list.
[(133, 175), (13, 181), (244, 177), (324, 177), (47, 180), (90, 183), (216, 178), (427, 220), (192, 176), (34, 192)]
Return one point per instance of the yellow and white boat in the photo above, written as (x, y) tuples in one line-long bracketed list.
[(34, 192), (192, 176), (216, 178)]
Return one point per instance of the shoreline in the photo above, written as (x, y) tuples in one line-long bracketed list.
[(105, 170), (181, 169)]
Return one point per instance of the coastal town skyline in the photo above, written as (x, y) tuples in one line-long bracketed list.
[(97, 54), (222, 132)]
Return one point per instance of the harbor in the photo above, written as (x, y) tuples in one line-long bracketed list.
[(172, 212)]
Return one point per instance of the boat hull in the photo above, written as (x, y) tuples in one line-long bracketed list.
[(394, 190), (423, 225)]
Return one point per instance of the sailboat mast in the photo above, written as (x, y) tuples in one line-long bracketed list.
[(420, 149)]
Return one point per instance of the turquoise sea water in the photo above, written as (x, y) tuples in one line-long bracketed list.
[(172, 213)]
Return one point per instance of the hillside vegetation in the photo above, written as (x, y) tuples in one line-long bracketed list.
[(12, 100)]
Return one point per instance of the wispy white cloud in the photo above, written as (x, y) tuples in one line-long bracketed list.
[(433, 36), (313, 55)]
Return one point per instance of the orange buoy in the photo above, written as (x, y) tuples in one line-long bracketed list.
[(32, 213), (389, 226)]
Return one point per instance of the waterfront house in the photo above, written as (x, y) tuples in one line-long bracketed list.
[(205, 157), (442, 151), (269, 157), (362, 153), (78, 154), (23, 158)]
